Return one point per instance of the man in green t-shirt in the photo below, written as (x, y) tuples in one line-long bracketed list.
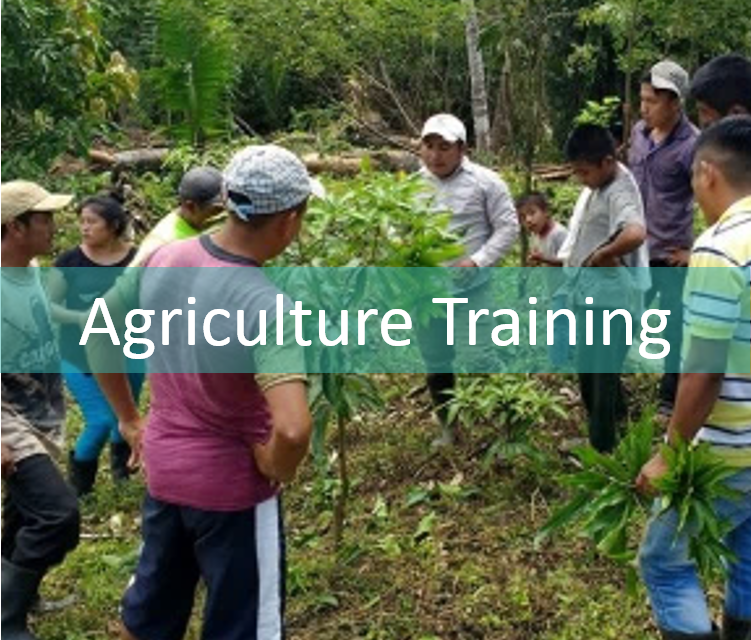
[(200, 200)]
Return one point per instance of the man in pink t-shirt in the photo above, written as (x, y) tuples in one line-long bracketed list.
[(216, 445)]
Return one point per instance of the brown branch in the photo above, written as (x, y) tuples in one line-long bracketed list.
[(379, 134)]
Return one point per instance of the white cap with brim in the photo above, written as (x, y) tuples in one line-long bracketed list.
[(448, 127), (21, 196), (670, 76)]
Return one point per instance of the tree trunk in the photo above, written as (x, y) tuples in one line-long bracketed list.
[(477, 78), (628, 108), (500, 135)]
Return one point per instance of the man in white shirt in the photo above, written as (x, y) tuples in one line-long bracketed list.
[(483, 214)]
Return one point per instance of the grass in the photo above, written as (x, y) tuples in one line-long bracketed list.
[(435, 546)]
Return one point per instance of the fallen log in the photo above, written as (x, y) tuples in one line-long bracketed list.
[(553, 172), (149, 159), (350, 164)]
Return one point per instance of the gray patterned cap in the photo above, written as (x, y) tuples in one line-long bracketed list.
[(265, 179)]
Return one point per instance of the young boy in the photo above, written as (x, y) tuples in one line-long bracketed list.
[(714, 397), (608, 231), (218, 443), (200, 194), (547, 237)]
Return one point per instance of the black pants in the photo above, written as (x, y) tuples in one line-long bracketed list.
[(40, 513), (600, 367), (667, 283)]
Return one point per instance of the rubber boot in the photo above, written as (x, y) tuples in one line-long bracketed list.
[(676, 635), (119, 456), (19, 591), (440, 386), (734, 629), (81, 474)]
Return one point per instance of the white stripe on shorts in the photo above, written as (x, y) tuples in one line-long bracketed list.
[(268, 557)]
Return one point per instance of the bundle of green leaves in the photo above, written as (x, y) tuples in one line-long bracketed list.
[(607, 507)]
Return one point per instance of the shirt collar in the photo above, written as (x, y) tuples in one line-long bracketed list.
[(741, 206), (682, 130)]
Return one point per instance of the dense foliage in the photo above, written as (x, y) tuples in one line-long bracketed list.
[(70, 67)]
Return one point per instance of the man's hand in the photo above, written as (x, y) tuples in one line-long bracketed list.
[(678, 257), (291, 427), (8, 464), (262, 455), (602, 258), (132, 431), (652, 471), (466, 262)]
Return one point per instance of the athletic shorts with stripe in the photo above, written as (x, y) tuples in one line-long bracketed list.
[(240, 557)]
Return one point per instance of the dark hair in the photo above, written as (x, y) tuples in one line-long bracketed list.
[(533, 199), (728, 144), (590, 143), (109, 207), (723, 82)]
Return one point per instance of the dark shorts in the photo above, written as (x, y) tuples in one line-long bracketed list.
[(240, 557)]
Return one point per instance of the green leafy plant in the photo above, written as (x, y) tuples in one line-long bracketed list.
[(338, 397), (196, 43), (516, 404), (599, 113), (606, 504), (379, 219), (695, 480)]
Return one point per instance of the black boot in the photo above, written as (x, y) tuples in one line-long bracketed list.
[(675, 635), (734, 629), (19, 590), (81, 474), (119, 456), (440, 386)]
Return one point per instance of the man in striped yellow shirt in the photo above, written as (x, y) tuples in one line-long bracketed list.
[(714, 396)]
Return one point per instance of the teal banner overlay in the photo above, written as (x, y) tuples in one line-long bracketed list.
[(247, 319)]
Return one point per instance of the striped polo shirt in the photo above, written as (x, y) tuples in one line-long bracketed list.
[(717, 299)]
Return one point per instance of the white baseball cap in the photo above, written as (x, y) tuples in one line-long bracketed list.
[(448, 127), (670, 76)]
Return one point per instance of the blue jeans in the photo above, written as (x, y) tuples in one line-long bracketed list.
[(677, 597), (100, 423)]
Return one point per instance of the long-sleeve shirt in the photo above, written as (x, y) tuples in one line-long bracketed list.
[(482, 208), (663, 173)]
